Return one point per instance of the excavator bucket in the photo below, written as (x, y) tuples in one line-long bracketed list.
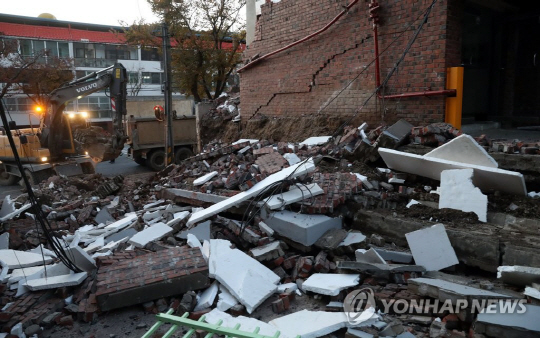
[(97, 143)]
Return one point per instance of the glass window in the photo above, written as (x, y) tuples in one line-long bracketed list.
[(52, 48), (63, 49), (133, 77), (151, 78), (156, 78), (39, 46), (150, 54), (26, 47)]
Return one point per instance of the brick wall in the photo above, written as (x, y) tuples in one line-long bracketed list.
[(303, 80)]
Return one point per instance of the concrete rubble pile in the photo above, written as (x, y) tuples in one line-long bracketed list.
[(285, 236)]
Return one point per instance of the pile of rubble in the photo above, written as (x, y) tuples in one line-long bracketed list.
[(299, 236)]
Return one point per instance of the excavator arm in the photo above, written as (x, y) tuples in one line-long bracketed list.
[(53, 131)]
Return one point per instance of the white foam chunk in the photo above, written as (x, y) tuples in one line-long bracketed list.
[(297, 193), (226, 299), (458, 192), (150, 234), (532, 292), (330, 284), (193, 241), (122, 223), (242, 140), (485, 178), (353, 237), (431, 248), (246, 324), (312, 324), (290, 172), (205, 178), (15, 259), (292, 158), (208, 297), (248, 280), (464, 149), (315, 140), (56, 281)]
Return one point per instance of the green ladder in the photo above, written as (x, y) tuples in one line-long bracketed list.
[(201, 325)]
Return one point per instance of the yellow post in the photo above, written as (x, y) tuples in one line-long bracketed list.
[(454, 105)]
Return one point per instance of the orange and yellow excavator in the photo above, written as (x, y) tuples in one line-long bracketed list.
[(63, 144)]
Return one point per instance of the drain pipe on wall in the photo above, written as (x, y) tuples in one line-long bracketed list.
[(374, 16)]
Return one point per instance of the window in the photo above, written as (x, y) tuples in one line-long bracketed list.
[(151, 78), (18, 104), (150, 54), (133, 77), (63, 49), (118, 52), (26, 47)]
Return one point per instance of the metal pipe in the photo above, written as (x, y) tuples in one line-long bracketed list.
[(373, 6), (301, 40)]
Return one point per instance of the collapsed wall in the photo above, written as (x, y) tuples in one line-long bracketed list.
[(305, 80)]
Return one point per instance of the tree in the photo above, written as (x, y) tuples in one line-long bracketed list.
[(36, 75), (206, 36)]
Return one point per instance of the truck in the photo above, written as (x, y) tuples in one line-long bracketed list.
[(146, 140), (52, 147)]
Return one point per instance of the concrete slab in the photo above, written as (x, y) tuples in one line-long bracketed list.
[(246, 324), (150, 234), (369, 256), (518, 275), (431, 248), (15, 259), (464, 149), (205, 178), (56, 281), (81, 259), (441, 289), (330, 284), (96, 245), (244, 140), (267, 252), (532, 292), (376, 268), (19, 274), (395, 256), (104, 216), (121, 223), (353, 237), (297, 193), (315, 140), (192, 197), (178, 217), (331, 239), (485, 178), (201, 231), (301, 228), (509, 325), (290, 172), (4, 241), (207, 297), (16, 212), (458, 192), (399, 130), (193, 241), (266, 229), (251, 284), (129, 232), (312, 324)]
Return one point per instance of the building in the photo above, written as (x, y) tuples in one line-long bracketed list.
[(92, 47), (495, 42)]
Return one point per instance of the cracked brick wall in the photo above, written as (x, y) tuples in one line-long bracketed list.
[(303, 80)]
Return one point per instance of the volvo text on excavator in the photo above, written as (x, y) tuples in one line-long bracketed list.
[(64, 144)]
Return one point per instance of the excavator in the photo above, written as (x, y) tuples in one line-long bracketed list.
[(63, 144)]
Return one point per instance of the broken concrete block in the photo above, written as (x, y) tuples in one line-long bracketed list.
[(207, 298), (226, 299), (395, 256), (81, 259), (296, 193), (377, 268), (518, 275), (485, 178), (178, 217), (509, 324), (532, 292), (266, 229), (14, 259), (129, 232), (203, 179), (431, 248), (329, 283), (287, 173), (150, 234), (353, 239), (331, 239), (18, 274), (442, 290), (312, 324), (193, 241), (251, 284), (267, 252), (301, 228), (315, 141), (458, 192), (201, 231), (464, 149), (122, 223), (104, 216), (4, 241), (56, 281), (399, 131), (369, 256)]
